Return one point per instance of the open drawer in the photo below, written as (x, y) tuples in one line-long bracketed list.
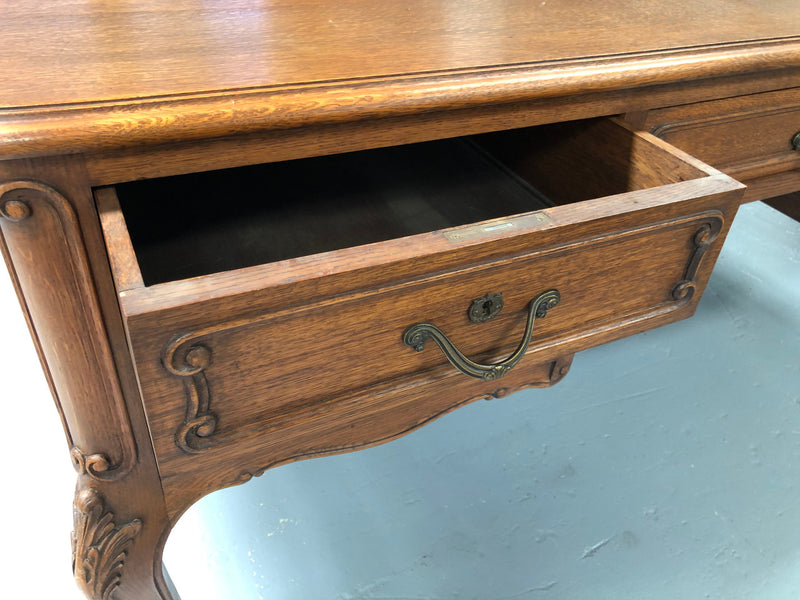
[(271, 310)]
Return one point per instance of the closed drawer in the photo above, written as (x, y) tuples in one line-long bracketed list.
[(268, 308), (755, 139)]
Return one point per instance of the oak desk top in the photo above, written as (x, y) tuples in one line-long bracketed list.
[(86, 76)]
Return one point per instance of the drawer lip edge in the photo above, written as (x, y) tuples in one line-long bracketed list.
[(140, 301), (701, 188)]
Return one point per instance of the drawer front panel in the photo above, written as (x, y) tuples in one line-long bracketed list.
[(235, 380), (747, 137)]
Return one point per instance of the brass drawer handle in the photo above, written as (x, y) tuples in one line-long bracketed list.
[(416, 336)]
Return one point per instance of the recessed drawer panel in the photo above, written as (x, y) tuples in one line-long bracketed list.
[(751, 138), (270, 322)]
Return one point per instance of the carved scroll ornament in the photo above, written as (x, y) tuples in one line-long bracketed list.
[(703, 238), (98, 466), (189, 363)]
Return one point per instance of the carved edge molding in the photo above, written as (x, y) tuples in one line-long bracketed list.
[(557, 371), (741, 168), (20, 203), (189, 363), (702, 240), (664, 129), (124, 122), (99, 545)]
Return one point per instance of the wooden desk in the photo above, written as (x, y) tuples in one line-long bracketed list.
[(95, 96)]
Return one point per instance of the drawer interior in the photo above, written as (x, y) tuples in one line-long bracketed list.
[(193, 225)]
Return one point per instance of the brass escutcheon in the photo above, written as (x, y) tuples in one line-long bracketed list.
[(486, 308)]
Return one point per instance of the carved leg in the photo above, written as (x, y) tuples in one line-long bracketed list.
[(50, 238)]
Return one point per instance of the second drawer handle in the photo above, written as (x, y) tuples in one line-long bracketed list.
[(416, 336)]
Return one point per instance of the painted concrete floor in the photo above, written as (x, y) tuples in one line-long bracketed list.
[(664, 466)]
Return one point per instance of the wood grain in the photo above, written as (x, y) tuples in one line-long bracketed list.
[(99, 93), (771, 186), (108, 52), (36, 220), (153, 74), (406, 258), (622, 264), (55, 251), (258, 372), (110, 166), (124, 264), (299, 208), (360, 420), (580, 160), (748, 137)]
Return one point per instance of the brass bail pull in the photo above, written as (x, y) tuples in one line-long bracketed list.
[(416, 336)]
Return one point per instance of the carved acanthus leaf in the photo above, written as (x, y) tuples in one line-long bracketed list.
[(99, 545)]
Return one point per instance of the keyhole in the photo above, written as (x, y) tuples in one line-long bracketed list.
[(483, 309)]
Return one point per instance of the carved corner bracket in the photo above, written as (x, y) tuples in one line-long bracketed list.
[(99, 545), (189, 361), (702, 240)]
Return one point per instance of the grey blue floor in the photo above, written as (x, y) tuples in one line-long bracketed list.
[(666, 465)]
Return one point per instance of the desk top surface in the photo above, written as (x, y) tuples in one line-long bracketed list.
[(297, 61), (77, 51)]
